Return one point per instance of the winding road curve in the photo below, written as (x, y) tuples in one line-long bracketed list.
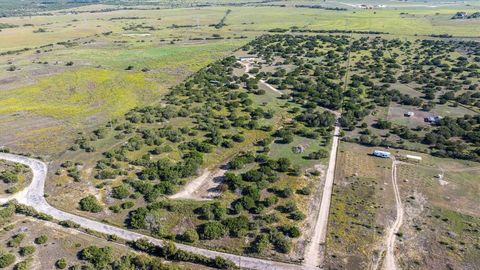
[(33, 195)]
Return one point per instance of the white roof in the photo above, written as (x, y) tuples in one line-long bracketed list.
[(414, 157), (381, 152)]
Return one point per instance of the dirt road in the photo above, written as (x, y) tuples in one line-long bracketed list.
[(389, 263), (204, 182), (247, 66), (33, 196), (312, 252)]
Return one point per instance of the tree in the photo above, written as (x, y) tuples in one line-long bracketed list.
[(260, 243), (211, 230), (281, 243), (27, 250), (169, 249), (90, 204), (61, 263), (42, 239), (23, 265), (287, 138), (99, 257), (296, 215), (221, 263), (9, 177), (16, 240), (120, 192), (190, 236), (291, 231), (6, 259), (283, 164), (321, 153), (137, 218), (69, 224), (237, 226), (144, 245)]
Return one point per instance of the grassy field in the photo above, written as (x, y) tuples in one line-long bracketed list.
[(441, 213), (81, 93), (362, 207), (442, 216)]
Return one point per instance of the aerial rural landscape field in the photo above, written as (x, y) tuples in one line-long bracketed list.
[(240, 134)]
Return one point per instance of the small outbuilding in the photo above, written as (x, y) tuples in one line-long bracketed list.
[(417, 158), (382, 154)]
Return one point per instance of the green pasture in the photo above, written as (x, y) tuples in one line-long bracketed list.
[(168, 59), (77, 94)]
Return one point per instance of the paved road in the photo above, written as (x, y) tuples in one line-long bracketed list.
[(391, 235), (33, 196), (312, 252)]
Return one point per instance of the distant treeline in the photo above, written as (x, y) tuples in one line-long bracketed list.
[(238, 4), (321, 7), (67, 43), (217, 37), (14, 51), (105, 10), (338, 31), (7, 25), (79, 1), (126, 18), (173, 26), (441, 35)]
